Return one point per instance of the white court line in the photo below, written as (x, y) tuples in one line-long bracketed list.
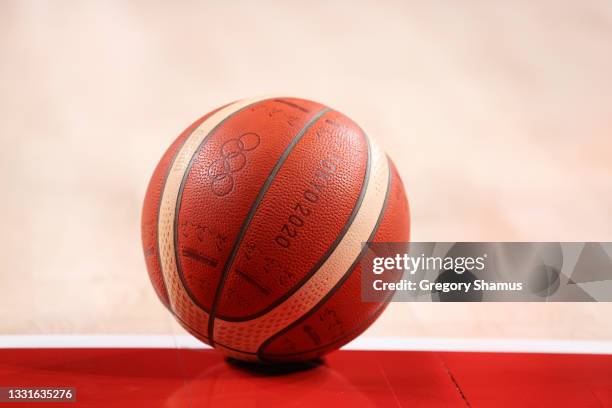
[(364, 343)]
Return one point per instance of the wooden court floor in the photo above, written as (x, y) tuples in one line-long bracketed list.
[(497, 114)]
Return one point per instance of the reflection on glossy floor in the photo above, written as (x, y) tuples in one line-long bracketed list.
[(187, 377)]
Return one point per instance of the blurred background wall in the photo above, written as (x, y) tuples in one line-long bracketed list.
[(498, 115)]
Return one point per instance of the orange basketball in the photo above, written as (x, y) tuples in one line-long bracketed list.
[(253, 224)]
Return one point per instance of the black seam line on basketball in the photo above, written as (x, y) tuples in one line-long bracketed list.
[(355, 331), (195, 333), (179, 197), (327, 254), (340, 282), (364, 324), (251, 214)]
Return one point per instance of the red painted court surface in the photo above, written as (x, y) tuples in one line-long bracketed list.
[(202, 378)]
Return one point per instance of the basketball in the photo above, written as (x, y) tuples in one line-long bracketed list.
[(254, 222)]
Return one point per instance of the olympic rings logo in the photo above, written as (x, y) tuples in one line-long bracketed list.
[(232, 160)]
